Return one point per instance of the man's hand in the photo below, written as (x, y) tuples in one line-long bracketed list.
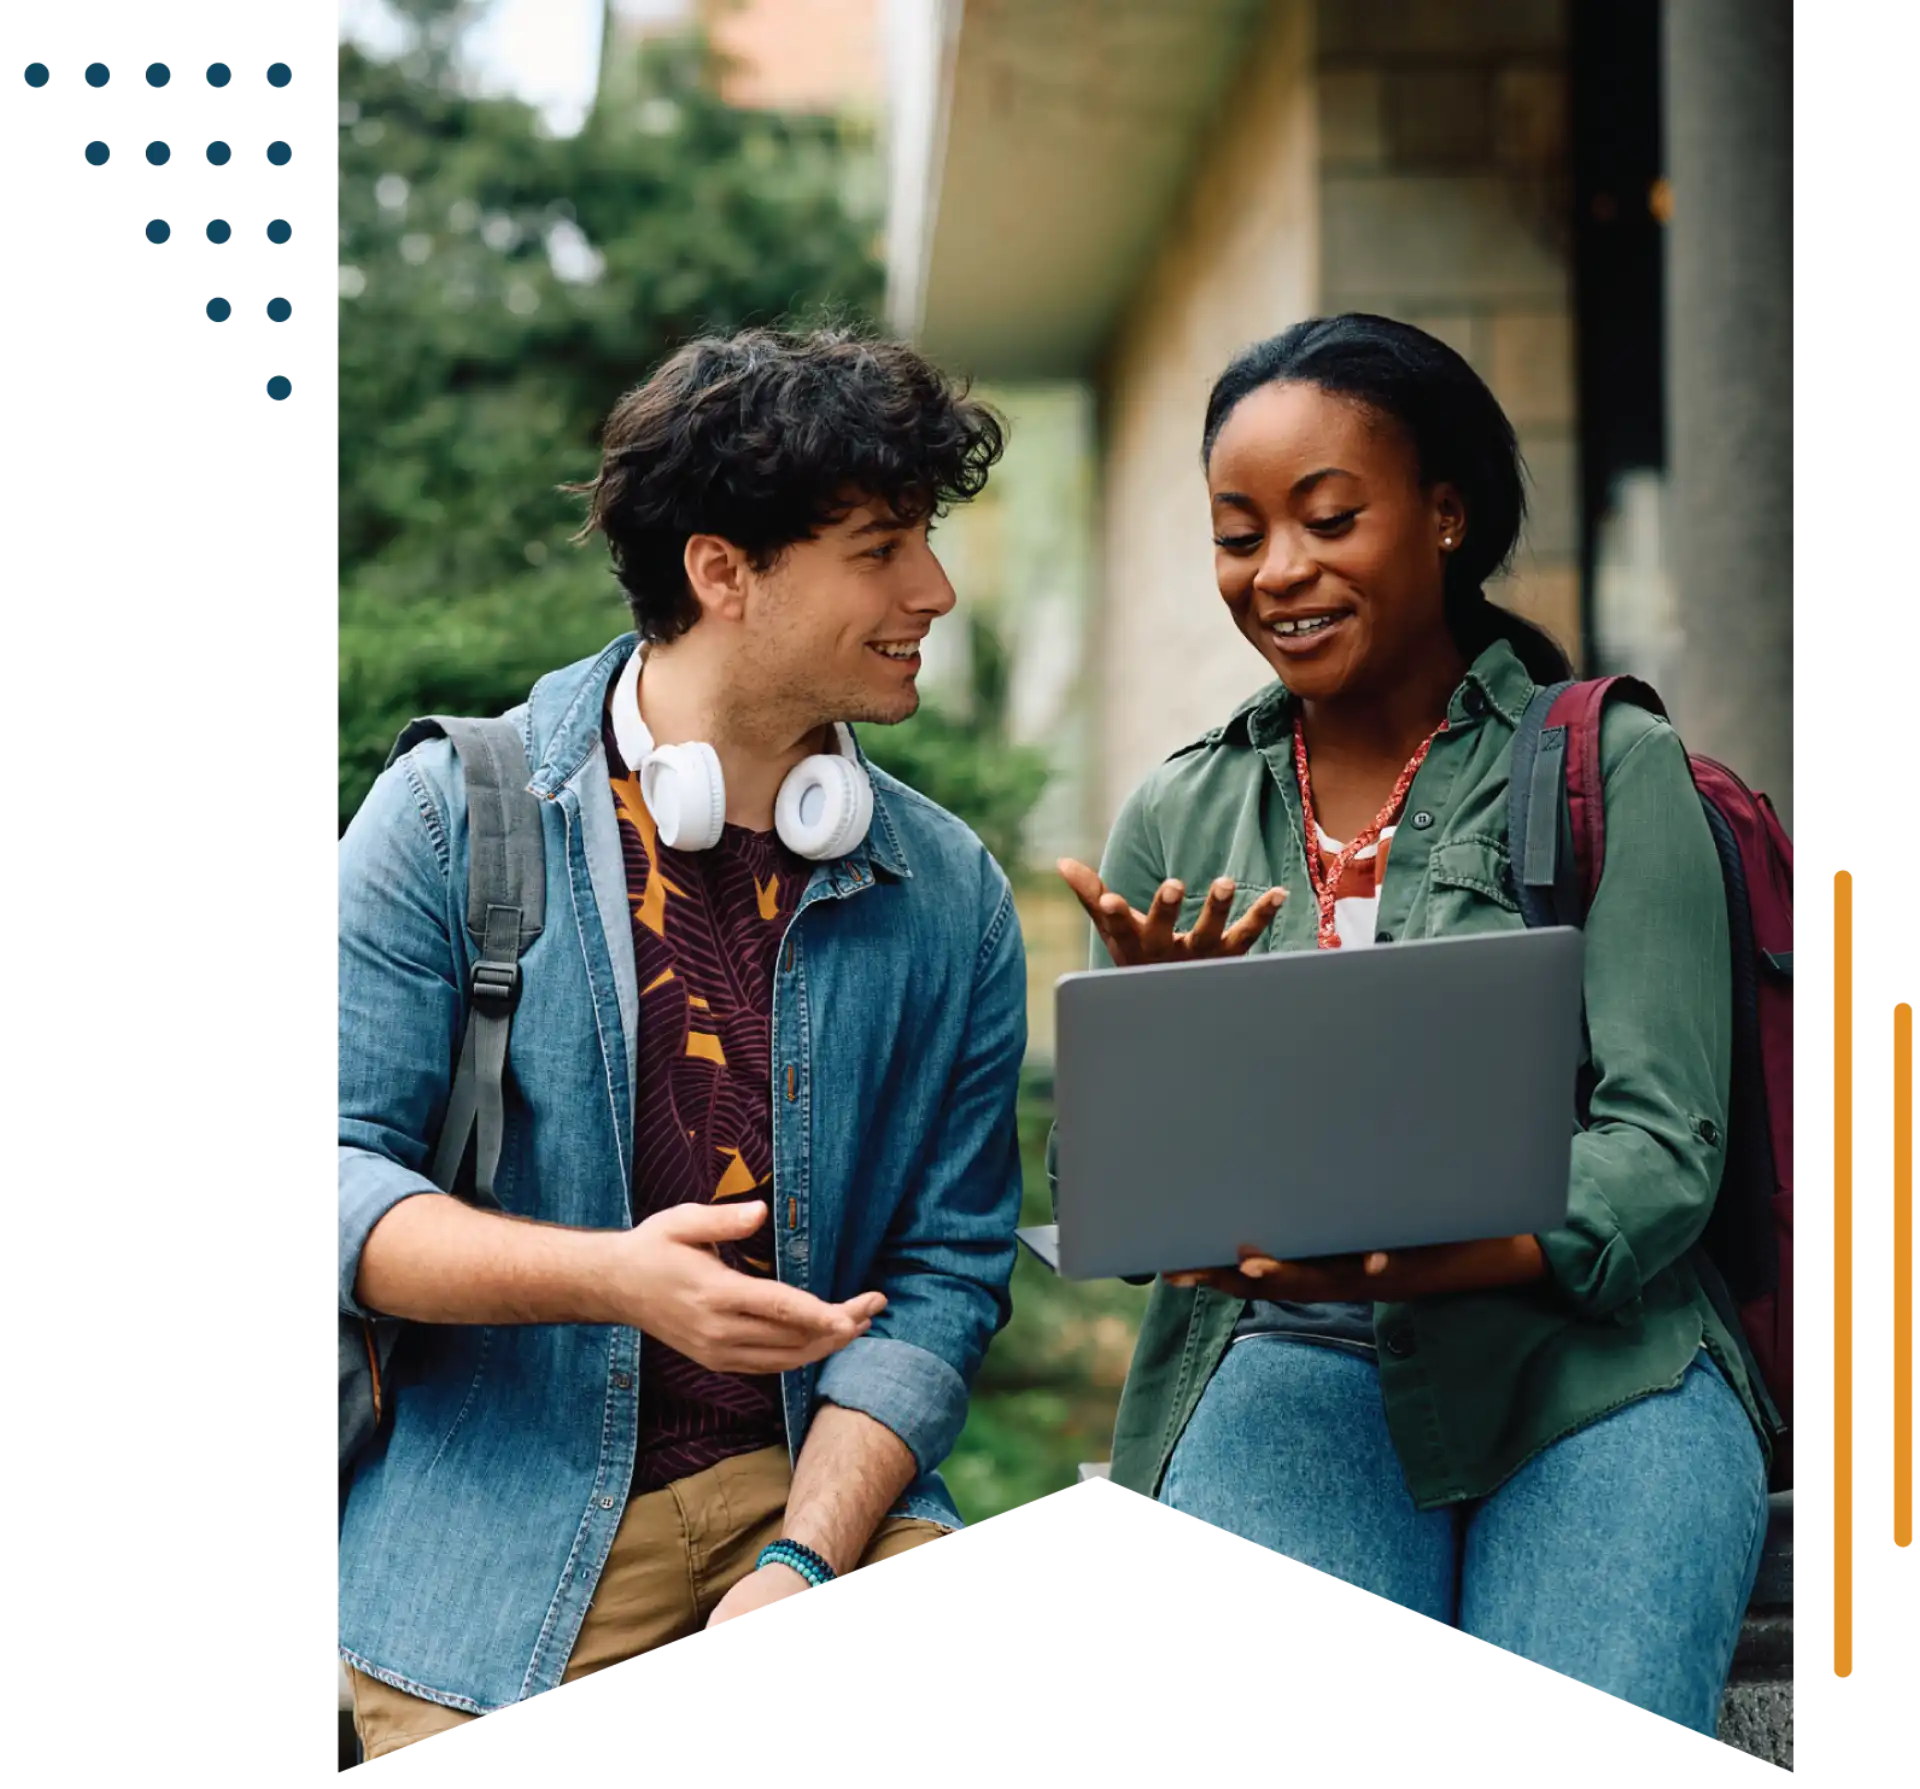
[(678, 1291), (1380, 1277), (1133, 937), (770, 1584)]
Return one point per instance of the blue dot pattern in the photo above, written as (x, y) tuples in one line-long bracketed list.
[(36, 74), (219, 310)]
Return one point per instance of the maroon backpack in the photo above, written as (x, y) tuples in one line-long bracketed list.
[(1746, 1253)]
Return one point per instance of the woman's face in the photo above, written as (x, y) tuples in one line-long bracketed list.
[(1328, 550)]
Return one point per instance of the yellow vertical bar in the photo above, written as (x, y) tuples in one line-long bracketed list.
[(1842, 1274), (1903, 1276)]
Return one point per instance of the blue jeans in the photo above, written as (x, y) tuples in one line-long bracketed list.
[(1623, 1555)]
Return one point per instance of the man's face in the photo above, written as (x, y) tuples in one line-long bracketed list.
[(835, 625)]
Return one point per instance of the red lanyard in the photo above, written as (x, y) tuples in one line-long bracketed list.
[(1326, 882)]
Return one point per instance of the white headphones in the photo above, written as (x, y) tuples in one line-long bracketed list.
[(823, 810)]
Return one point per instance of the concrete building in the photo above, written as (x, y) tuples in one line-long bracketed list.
[(1125, 194)]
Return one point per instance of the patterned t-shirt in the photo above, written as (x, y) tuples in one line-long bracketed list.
[(1356, 913), (707, 927)]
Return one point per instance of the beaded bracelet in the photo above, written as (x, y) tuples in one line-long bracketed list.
[(803, 1560)]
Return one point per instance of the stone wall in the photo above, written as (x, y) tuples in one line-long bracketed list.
[(1401, 156), (1444, 188), (1238, 261)]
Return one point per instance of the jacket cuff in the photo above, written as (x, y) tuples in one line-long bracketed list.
[(371, 1185), (1596, 1272), (910, 1390)]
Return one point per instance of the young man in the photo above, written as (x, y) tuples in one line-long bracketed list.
[(760, 1171)]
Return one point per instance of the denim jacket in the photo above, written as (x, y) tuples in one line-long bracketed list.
[(474, 1532)]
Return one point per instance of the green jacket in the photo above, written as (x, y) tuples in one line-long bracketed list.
[(1475, 1384)]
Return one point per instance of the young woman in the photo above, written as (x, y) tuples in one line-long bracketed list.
[(1547, 1441)]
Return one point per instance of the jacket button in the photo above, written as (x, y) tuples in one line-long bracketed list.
[(624, 1381), (1709, 1132), (1400, 1343), (1422, 820), (1474, 702), (1383, 937), (606, 1503)]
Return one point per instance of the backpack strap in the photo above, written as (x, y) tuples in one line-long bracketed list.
[(1556, 814), (506, 910), (1556, 798), (1539, 845), (1578, 709)]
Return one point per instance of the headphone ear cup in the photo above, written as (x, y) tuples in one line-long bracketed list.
[(824, 807), (686, 794)]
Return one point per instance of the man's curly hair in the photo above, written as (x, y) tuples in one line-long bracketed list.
[(764, 438)]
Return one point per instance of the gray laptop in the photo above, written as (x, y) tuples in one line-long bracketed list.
[(1315, 1102)]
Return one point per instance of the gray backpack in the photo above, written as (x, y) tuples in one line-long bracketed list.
[(506, 907)]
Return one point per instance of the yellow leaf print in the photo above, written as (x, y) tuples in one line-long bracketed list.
[(652, 910)]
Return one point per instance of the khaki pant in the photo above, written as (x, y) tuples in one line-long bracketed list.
[(677, 1552)]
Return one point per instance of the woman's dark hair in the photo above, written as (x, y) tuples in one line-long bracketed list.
[(765, 437), (1460, 435)]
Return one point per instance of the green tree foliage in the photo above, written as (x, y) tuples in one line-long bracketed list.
[(964, 758), (500, 288)]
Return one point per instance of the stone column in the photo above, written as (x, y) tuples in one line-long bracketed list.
[(1728, 70)]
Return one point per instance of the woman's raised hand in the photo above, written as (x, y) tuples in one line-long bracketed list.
[(1133, 937)]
